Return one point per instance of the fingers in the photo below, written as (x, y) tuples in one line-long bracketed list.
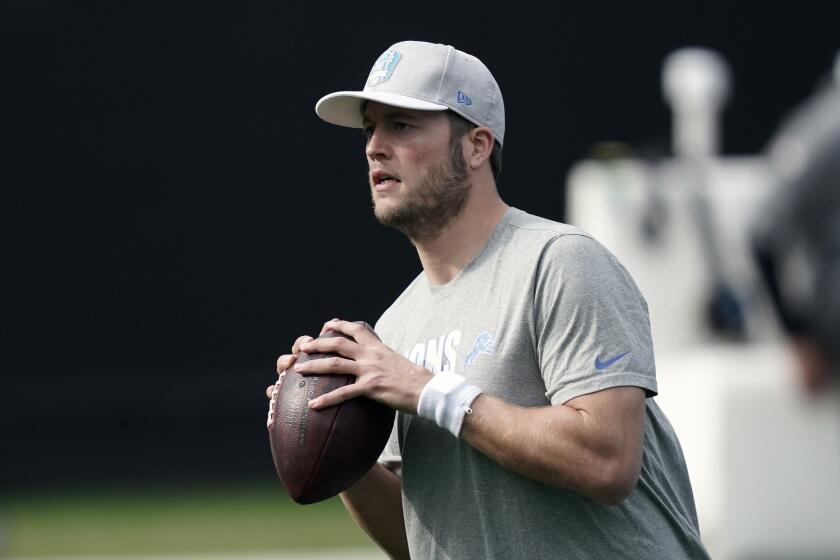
[(338, 396), (335, 364), (338, 345), (328, 326), (369, 328), (269, 391), (284, 362), (300, 340), (361, 333)]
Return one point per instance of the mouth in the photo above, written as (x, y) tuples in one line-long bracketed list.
[(382, 180)]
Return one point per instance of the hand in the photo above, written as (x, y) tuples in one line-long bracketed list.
[(381, 373), (285, 361)]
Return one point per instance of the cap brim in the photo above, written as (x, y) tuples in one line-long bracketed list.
[(344, 108)]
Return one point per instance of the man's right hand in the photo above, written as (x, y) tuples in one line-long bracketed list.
[(285, 361)]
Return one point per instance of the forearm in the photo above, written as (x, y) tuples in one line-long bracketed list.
[(558, 445), (591, 444), (375, 503)]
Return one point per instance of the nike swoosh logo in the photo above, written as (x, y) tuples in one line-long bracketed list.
[(607, 363)]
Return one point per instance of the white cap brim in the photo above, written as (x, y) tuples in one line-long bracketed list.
[(344, 108)]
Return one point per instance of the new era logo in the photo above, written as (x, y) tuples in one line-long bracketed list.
[(464, 99)]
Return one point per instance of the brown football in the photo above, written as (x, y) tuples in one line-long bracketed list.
[(319, 453)]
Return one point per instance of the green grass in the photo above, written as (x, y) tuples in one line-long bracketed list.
[(219, 518)]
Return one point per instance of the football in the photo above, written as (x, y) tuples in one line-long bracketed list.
[(319, 453)]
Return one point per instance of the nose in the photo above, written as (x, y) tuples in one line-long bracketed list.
[(377, 146)]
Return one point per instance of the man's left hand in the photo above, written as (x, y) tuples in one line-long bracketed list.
[(381, 373)]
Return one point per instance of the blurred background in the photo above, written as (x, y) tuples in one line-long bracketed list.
[(175, 215)]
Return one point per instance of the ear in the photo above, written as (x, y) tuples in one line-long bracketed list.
[(480, 146)]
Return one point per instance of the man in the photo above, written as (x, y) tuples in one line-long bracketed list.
[(797, 241), (519, 361)]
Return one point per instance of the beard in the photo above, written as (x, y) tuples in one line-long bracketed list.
[(437, 198)]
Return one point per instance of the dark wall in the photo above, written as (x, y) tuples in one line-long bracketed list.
[(175, 214)]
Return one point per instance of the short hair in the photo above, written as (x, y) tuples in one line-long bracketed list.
[(459, 126)]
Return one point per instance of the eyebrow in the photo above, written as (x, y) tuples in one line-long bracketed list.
[(390, 116)]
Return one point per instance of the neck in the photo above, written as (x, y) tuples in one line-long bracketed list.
[(447, 254)]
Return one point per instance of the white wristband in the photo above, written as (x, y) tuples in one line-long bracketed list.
[(446, 398)]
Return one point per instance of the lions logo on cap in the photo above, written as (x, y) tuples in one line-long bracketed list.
[(383, 68)]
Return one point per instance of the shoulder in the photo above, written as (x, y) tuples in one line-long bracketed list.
[(525, 239), (538, 228), (559, 244), (580, 253), (571, 261)]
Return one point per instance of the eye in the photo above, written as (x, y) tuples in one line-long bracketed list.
[(399, 125), (367, 132)]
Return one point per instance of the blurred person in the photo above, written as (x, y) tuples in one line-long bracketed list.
[(798, 240), (519, 360)]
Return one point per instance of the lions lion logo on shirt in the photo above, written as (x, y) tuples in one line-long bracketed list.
[(484, 344)]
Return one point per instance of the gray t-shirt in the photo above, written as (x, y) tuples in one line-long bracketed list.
[(541, 315)]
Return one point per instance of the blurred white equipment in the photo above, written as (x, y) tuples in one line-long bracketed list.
[(764, 459)]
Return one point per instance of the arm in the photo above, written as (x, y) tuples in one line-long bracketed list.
[(592, 444), (375, 503)]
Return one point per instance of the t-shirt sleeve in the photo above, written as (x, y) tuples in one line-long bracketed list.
[(591, 322)]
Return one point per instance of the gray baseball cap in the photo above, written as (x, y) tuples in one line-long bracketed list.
[(427, 77)]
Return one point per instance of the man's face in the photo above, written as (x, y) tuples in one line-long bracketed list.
[(418, 178)]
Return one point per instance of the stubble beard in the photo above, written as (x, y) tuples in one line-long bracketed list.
[(434, 202)]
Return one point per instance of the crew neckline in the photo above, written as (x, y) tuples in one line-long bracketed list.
[(448, 288)]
